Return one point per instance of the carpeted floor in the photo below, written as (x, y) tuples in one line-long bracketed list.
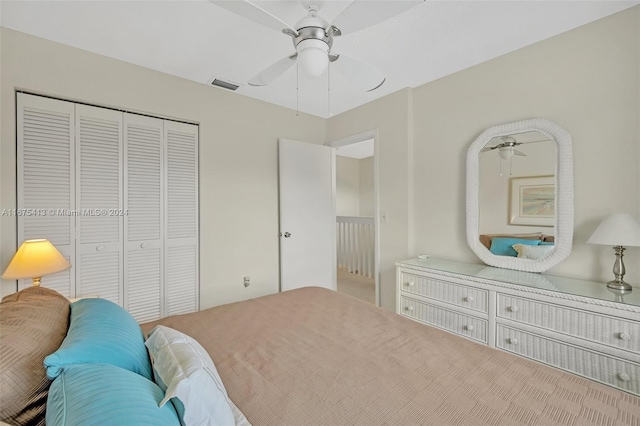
[(357, 286)]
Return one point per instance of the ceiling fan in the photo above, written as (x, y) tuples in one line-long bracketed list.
[(313, 38), (506, 148)]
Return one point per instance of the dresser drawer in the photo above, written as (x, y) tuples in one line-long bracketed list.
[(611, 331), (593, 365), (464, 325), (456, 294)]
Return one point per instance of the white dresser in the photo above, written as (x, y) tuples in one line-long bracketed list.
[(574, 325)]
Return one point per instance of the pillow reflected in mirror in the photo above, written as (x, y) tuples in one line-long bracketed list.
[(504, 246), (532, 252)]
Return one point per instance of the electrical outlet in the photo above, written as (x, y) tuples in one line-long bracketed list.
[(247, 281)]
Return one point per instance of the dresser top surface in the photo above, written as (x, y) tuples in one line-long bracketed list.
[(573, 286)]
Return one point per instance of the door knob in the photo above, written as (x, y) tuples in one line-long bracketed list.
[(287, 234)]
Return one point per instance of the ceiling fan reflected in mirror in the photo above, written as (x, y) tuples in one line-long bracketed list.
[(312, 38), (506, 148)]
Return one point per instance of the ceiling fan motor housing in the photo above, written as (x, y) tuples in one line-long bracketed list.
[(312, 44), (312, 33)]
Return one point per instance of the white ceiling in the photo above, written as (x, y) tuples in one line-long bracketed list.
[(358, 150), (199, 40)]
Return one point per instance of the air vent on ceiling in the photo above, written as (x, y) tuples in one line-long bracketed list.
[(224, 84)]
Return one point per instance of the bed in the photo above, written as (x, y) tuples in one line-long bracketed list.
[(314, 356), (303, 357)]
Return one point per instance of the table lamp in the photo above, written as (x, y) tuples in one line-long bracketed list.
[(34, 259), (617, 230)]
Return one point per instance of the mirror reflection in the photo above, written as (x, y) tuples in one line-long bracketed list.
[(517, 194)]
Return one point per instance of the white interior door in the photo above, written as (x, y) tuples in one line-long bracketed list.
[(307, 215)]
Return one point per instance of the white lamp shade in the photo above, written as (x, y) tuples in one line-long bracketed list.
[(619, 229), (35, 258), (313, 57)]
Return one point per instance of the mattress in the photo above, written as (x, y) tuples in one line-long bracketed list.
[(317, 357)]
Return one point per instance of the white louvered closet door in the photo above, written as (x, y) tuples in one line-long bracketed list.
[(144, 201), (99, 199), (181, 222), (45, 168)]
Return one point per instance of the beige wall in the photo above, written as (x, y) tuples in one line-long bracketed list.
[(354, 187), (347, 186), (367, 198), (238, 153), (391, 116), (585, 80)]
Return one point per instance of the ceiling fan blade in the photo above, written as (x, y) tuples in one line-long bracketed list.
[(491, 148), (540, 140), (516, 152), (359, 14), (249, 10), (274, 71), (362, 75)]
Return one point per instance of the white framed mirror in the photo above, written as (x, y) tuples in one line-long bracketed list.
[(520, 195)]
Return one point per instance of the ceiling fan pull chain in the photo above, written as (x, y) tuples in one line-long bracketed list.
[(297, 88)]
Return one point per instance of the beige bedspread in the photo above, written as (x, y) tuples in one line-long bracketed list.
[(316, 357)]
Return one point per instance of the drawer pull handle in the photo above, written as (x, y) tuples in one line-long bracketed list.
[(624, 336), (512, 341), (409, 308), (513, 308), (100, 248), (624, 377), (410, 283), (469, 327), (468, 299)]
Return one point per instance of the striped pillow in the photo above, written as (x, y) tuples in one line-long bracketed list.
[(101, 332), (103, 394), (33, 323)]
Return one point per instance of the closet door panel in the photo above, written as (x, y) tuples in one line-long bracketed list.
[(144, 203), (143, 277), (99, 241), (181, 238), (45, 169)]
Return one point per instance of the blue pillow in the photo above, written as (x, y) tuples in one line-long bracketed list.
[(102, 394), (101, 332), (503, 246), (547, 243)]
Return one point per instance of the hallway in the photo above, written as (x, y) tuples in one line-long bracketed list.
[(357, 286)]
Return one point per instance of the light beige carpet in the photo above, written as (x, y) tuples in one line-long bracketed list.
[(357, 286)]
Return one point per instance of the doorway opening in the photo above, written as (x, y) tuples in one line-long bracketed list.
[(356, 216)]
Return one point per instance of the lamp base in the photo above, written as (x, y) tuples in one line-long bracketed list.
[(37, 281), (620, 285), (619, 271)]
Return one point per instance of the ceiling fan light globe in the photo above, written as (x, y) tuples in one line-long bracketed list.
[(313, 57), (505, 152)]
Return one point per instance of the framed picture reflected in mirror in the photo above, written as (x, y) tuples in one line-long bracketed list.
[(532, 200)]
